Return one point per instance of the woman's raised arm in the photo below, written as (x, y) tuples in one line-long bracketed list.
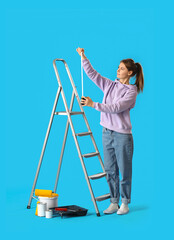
[(101, 82)]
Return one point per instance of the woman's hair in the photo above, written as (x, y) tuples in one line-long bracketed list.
[(138, 70)]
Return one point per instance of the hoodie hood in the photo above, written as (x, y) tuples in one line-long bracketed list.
[(130, 86)]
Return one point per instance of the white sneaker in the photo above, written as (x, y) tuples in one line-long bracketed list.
[(111, 209), (123, 209)]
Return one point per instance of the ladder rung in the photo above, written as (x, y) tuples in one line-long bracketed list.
[(75, 113), (97, 176), (65, 113), (90, 154), (103, 197), (83, 134), (60, 113)]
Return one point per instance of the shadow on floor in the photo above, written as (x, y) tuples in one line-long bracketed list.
[(138, 208)]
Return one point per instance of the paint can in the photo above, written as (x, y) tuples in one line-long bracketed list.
[(50, 201), (41, 209), (49, 214)]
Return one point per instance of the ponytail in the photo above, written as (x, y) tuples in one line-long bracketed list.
[(139, 77), (137, 70)]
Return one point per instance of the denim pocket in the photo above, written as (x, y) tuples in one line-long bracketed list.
[(104, 129)]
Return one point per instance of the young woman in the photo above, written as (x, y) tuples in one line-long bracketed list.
[(119, 98)]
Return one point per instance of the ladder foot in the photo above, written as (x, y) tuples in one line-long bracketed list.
[(98, 214), (28, 207)]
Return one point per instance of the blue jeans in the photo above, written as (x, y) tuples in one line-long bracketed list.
[(118, 153)]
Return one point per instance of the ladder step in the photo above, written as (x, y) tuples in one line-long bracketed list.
[(83, 134), (97, 176), (90, 154), (65, 113), (103, 197)]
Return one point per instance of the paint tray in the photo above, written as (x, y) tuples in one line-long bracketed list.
[(71, 210)]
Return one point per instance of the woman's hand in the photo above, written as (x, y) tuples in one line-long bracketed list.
[(87, 102), (79, 50)]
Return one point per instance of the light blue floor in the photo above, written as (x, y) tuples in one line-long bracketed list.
[(140, 223)]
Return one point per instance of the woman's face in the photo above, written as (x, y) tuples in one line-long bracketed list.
[(122, 71)]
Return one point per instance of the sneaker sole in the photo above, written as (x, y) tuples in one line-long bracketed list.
[(110, 212), (122, 213)]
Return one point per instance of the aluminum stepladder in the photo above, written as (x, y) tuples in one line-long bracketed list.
[(69, 112)]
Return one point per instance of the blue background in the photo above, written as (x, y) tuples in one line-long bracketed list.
[(36, 32)]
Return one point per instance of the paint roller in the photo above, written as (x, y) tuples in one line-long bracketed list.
[(45, 193)]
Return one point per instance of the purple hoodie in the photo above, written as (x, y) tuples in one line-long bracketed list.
[(118, 99)]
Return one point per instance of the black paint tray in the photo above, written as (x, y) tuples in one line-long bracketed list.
[(72, 210)]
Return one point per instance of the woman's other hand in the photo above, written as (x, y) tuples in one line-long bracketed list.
[(87, 102)]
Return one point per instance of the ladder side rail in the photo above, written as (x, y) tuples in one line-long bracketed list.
[(74, 136), (63, 145), (44, 145)]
